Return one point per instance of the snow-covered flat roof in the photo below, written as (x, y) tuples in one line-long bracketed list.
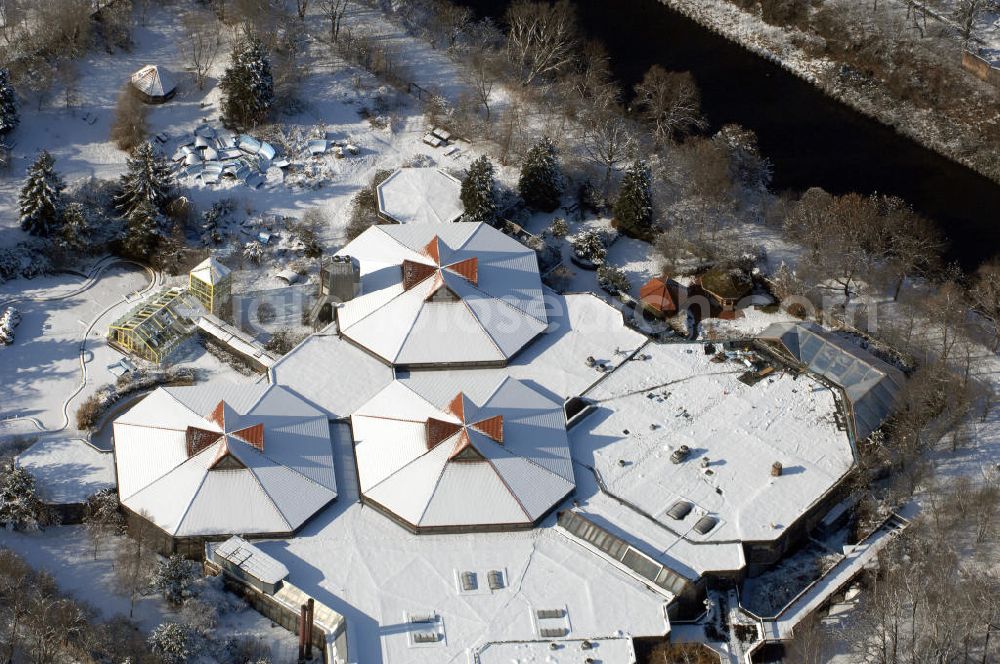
[(68, 470), (331, 373), (219, 458), (648, 408), (611, 651), (420, 196), (392, 586), (251, 560)]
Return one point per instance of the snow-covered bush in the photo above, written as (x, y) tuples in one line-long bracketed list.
[(173, 578), (20, 506), (590, 246), (26, 259), (253, 251), (559, 228), (173, 642), (613, 279)]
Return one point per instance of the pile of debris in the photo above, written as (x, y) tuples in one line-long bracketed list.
[(9, 319), (212, 155)]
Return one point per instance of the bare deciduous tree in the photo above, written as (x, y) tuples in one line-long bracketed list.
[(608, 141), (671, 103), (542, 38), (985, 294), (301, 7), (129, 128), (201, 43), (333, 11)]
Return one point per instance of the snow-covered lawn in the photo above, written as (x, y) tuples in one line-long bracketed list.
[(68, 470), (41, 370)]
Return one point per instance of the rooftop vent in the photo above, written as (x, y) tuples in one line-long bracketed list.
[(546, 614), (776, 469), (495, 578), (679, 510), (680, 454), (469, 581), (553, 632), (426, 637), (705, 524)]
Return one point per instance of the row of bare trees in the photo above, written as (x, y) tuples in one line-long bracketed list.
[(40, 624)]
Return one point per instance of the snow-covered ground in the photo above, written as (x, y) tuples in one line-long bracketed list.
[(67, 554), (68, 470)]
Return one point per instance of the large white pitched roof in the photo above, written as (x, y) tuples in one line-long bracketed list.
[(420, 196), (461, 464), (224, 459), (466, 283)]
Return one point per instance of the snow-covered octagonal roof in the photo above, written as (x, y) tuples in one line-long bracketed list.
[(676, 395), (463, 465), (220, 459), (461, 294), (420, 196)]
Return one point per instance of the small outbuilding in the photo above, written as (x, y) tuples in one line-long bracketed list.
[(420, 196), (211, 282), (725, 288), (153, 84), (242, 560), (660, 296)]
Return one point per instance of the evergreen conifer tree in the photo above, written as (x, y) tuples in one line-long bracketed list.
[(479, 192), (9, 118), (147, 178), (247, 84), (634, 207), (40, 203), (77, 229), (541, 183), (142, 230)]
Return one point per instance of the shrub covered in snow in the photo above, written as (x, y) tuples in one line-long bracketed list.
[(94, 406), (173, 642), (559, 228), (590, 246), (173, 578), (21, 508), (613, 279)]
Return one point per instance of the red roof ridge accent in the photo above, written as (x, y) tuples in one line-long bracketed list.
[(457, 406), (433, 249), (415, 273), (197, 439), (440, 430), (252, 435), (468, 268), (491, 427), (218, 415)]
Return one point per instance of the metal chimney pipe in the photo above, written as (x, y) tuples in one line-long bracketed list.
[(310, 618), (302, 633)]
